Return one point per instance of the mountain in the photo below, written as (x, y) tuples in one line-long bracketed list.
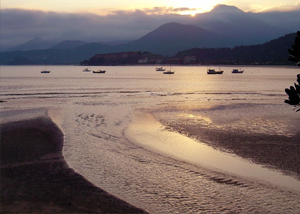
[(272, 52), (56, 56), (170, 38), (234, 28), (34, 44), (282, 19), (119, 42), (245, 28), (88, 50), (21, 61), (68, 44)]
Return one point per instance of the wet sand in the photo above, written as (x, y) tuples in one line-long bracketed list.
[(275, 151), (36, 179)]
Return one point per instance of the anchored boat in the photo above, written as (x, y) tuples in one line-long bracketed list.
[(237, 71), (213, 71), (99, 72), (86, 70), (160, 69)]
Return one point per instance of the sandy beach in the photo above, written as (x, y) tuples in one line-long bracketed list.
[(36, 179)]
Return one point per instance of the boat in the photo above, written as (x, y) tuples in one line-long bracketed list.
[(237, 71), (45, 71), (169, 72), (99, 72), (160, 69), (213, 71), (86, 70)]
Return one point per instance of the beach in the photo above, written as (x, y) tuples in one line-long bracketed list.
[(35, 178), (136, 141)]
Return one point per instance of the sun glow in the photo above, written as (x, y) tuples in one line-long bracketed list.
[(195, 7)]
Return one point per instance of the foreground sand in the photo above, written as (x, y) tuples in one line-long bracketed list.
[(36, 179)]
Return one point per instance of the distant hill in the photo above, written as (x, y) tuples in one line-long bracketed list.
[(232, 22), (119, 42), (170, 38), (273, 52), (21, 61), (34, 44), (124, 58), (282, 19), (56, 56), (68, 44)]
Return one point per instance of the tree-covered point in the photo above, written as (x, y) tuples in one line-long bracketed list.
[(294, 91)]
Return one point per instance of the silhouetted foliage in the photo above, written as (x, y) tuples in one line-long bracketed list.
[(295, 51), (294, 92)]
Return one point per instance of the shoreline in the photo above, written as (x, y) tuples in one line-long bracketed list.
[(36, 178), (148, 132), (277, 152)]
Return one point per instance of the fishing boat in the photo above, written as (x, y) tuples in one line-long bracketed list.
[(169, 72), (213, 71), (45, 71), (237, 71), (99, 72), (86, 70), (160, 69)]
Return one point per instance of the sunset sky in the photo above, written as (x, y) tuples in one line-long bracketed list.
[(102, 7), (115, 20)]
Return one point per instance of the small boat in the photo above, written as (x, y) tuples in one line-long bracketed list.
[(99, 72), (160, 69), (169, 72), (237, 71), (213, 71), (45, 72), (86, 70)]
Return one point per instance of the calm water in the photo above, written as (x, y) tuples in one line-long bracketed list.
[(113, 136)]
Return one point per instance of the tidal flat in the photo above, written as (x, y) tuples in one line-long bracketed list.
[(135, 135)]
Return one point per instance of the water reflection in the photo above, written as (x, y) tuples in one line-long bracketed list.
[(145, 130)]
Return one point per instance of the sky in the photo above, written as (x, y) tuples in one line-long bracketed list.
[(109, 20), (104, 7)]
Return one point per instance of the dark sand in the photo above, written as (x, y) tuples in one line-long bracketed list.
[(36, 179)]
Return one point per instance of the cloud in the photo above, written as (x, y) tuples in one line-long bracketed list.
[(19, 26), (168, 10), (24, 25), (285, 8), (285, 16)]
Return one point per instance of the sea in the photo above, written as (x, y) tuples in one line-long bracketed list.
[(120, 131)]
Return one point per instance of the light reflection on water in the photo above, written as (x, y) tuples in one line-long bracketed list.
[(150, 133), (236, 121), (93, 112)]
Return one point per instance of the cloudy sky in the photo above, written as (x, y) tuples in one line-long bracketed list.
[(108, 20), (102, 7)]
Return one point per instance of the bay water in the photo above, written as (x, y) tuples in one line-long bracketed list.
[(116, 134)]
